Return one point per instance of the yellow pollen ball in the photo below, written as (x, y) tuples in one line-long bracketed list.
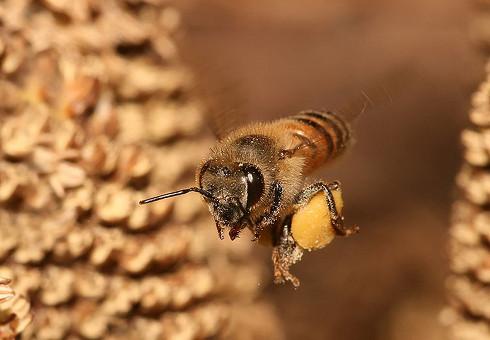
[(311, 226)]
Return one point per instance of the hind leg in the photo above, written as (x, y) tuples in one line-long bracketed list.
[(336, 218), (284, 254)]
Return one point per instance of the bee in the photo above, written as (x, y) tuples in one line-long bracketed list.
[(254, 178)]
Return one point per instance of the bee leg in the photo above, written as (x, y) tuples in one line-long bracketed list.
[(220, 231), (258, 231), (271, 216), (288, 153), (336, 218), (284, 254)]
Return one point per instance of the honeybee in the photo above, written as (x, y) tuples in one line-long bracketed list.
[(255, 177)]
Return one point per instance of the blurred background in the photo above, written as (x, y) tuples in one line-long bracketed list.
[(268, 58)]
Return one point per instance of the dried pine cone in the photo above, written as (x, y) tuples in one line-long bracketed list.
[(97, 114), (468, 316), (15, 313)]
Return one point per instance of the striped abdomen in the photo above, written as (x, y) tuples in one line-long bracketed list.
[(325, 133)]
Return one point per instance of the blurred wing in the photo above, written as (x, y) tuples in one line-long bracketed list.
[(222, 121), (379, 94), (223, 108)]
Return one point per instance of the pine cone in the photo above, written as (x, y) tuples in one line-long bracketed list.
[(468, 316), (97, 114), (15, 313)]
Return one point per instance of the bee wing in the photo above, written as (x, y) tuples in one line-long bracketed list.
[(223, 121), (223, 108), (381, 93)]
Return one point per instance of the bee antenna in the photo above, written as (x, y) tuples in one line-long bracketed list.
[(203, 192)]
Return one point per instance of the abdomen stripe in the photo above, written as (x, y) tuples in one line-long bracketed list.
[(338, 125)]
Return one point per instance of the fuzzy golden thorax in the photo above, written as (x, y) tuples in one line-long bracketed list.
[(243, 172)]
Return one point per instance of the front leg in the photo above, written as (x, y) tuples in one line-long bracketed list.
[(271, 216), (335, 217)]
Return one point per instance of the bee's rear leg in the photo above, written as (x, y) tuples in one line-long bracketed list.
[(284, 254), (336, 218)]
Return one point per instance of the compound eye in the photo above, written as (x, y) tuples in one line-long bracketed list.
[(255, 183)]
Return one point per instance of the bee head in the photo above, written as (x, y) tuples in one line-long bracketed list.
[(235, 189), (231, 191)]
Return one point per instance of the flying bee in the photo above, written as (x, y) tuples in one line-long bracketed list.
[(255, 177)]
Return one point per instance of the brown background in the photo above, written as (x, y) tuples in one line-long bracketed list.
[(268, 58)]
